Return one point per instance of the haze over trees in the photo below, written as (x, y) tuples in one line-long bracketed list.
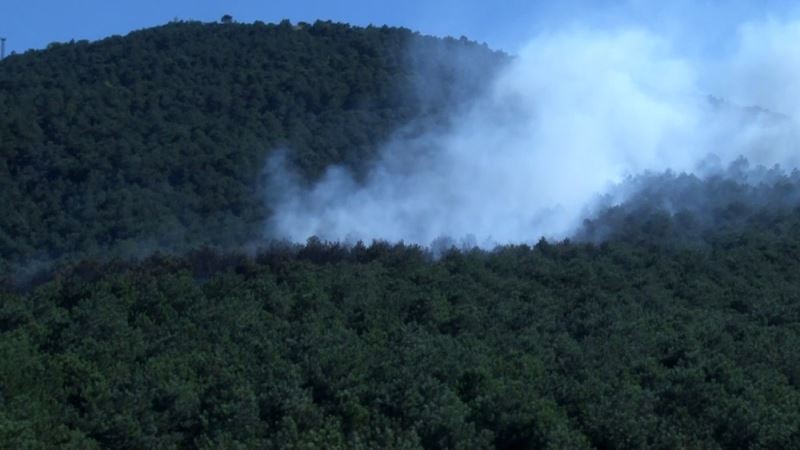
[(135, 166), (159, 139)]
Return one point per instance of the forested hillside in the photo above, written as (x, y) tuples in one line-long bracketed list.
[(616, 346), (689, 211), (158, 140), (132, 168)]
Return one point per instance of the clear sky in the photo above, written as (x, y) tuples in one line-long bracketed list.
[(503, 24)]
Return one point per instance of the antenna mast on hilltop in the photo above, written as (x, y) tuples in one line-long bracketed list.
[(2, 48)]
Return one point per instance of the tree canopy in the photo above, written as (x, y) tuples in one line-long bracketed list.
[(159, 139), (669, 321), (560, 345)]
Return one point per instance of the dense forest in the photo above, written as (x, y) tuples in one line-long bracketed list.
[(159, 139), (162, 317), (561, 345), (684, 210)]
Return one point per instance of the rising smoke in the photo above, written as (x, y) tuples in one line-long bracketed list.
[(575, 114)]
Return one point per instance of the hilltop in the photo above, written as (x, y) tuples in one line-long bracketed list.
[(158, 139)]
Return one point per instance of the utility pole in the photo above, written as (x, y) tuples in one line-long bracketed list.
[(2, 48)]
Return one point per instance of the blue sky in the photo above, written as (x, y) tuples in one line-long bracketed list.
[(502, 24)]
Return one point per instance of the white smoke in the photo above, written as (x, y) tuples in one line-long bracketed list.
[(574, 113)]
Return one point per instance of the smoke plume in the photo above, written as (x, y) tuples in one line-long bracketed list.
[(574, 114)]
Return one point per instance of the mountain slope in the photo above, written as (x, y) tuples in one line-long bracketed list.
[(158, 139)]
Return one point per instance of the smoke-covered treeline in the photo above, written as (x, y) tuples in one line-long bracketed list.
[(688, 209), (390, 135), (577, 111), (158, 139), (644, 294)]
